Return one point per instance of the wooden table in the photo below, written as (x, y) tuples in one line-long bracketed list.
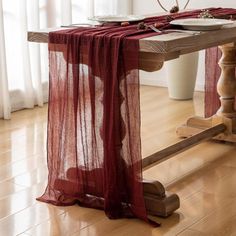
[(221, 126)]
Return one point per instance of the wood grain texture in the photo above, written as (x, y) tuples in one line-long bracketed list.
[(170, 43), (226, 86), (184, 43), (183, 145), (203, 177)]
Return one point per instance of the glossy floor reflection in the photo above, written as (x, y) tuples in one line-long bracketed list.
[(204, 177)]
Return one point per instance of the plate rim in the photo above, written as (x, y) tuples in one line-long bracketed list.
[(129, 18), (181, 23)]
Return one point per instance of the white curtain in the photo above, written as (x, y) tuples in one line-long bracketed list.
[(23, 65), (4, 94)]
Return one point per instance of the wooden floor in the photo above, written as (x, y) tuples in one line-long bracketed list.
[(204, 177)]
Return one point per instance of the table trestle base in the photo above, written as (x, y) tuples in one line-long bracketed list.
[(158, 202), (195, 125), (183, 145)]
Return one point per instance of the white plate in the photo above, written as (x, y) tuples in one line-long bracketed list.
[(201, 23), (117, 18)]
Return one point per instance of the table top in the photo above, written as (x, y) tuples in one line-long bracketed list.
[(169, 45)]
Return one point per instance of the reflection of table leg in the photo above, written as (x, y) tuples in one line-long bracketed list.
[(226, 88)]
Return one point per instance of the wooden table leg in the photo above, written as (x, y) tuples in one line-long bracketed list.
[(226, 114), (221, 126), (158, 202)]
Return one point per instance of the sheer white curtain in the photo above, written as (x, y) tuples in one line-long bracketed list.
[(23, 65), (4, 95)]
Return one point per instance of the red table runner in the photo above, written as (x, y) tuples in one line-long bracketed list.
[(94, 147)]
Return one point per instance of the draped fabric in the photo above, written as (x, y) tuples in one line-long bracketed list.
[(94, 154), (4, 94), (212, 75), (94, 148), (22, 77)]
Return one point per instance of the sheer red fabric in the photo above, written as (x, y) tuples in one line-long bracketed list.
[(94, 148), (94, 151), (212, 75)]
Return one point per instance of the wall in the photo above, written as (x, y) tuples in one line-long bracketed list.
[(150, 7)]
